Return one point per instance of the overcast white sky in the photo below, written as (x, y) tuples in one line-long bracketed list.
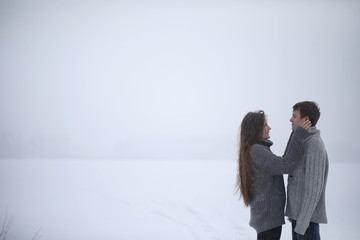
[(154, 79)]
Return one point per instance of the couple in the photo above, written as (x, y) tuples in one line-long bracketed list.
[(260, 178)]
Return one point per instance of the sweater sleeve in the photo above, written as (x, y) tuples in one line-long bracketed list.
[(314, 183), (264, 158)]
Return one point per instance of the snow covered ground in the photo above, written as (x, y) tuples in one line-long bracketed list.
[(148, 199)]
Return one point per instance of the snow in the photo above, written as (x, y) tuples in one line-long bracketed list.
[(147, 199)]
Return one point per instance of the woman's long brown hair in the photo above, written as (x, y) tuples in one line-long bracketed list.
[(250, 133)]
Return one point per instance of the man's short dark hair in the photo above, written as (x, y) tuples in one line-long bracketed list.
[(310, 109)]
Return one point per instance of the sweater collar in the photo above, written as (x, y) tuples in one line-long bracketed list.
[(314, 131), (265, 142)]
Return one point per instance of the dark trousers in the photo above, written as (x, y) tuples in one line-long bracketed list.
[(312, 233), (272, 234)]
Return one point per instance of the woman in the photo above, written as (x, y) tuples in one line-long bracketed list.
[(260, 179)]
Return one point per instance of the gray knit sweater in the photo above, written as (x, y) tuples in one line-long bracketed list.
[(307, 184), (268, 202)]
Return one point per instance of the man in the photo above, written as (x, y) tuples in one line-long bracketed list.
[(305, 206)]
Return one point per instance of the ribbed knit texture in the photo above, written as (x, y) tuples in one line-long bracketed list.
[(267, 205), (307, 185)]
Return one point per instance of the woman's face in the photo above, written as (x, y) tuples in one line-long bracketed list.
[(266, 130)]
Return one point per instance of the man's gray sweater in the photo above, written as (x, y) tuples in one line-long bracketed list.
[(307, 184), (268, 202)]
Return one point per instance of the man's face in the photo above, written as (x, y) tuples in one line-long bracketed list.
[(296, 119)]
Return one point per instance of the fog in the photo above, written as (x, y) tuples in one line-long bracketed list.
[(172, 80), (107, 106)]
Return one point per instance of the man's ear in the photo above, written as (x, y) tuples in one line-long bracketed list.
[(307, 118)]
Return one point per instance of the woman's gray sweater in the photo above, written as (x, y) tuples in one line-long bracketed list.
[(268, 202)]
